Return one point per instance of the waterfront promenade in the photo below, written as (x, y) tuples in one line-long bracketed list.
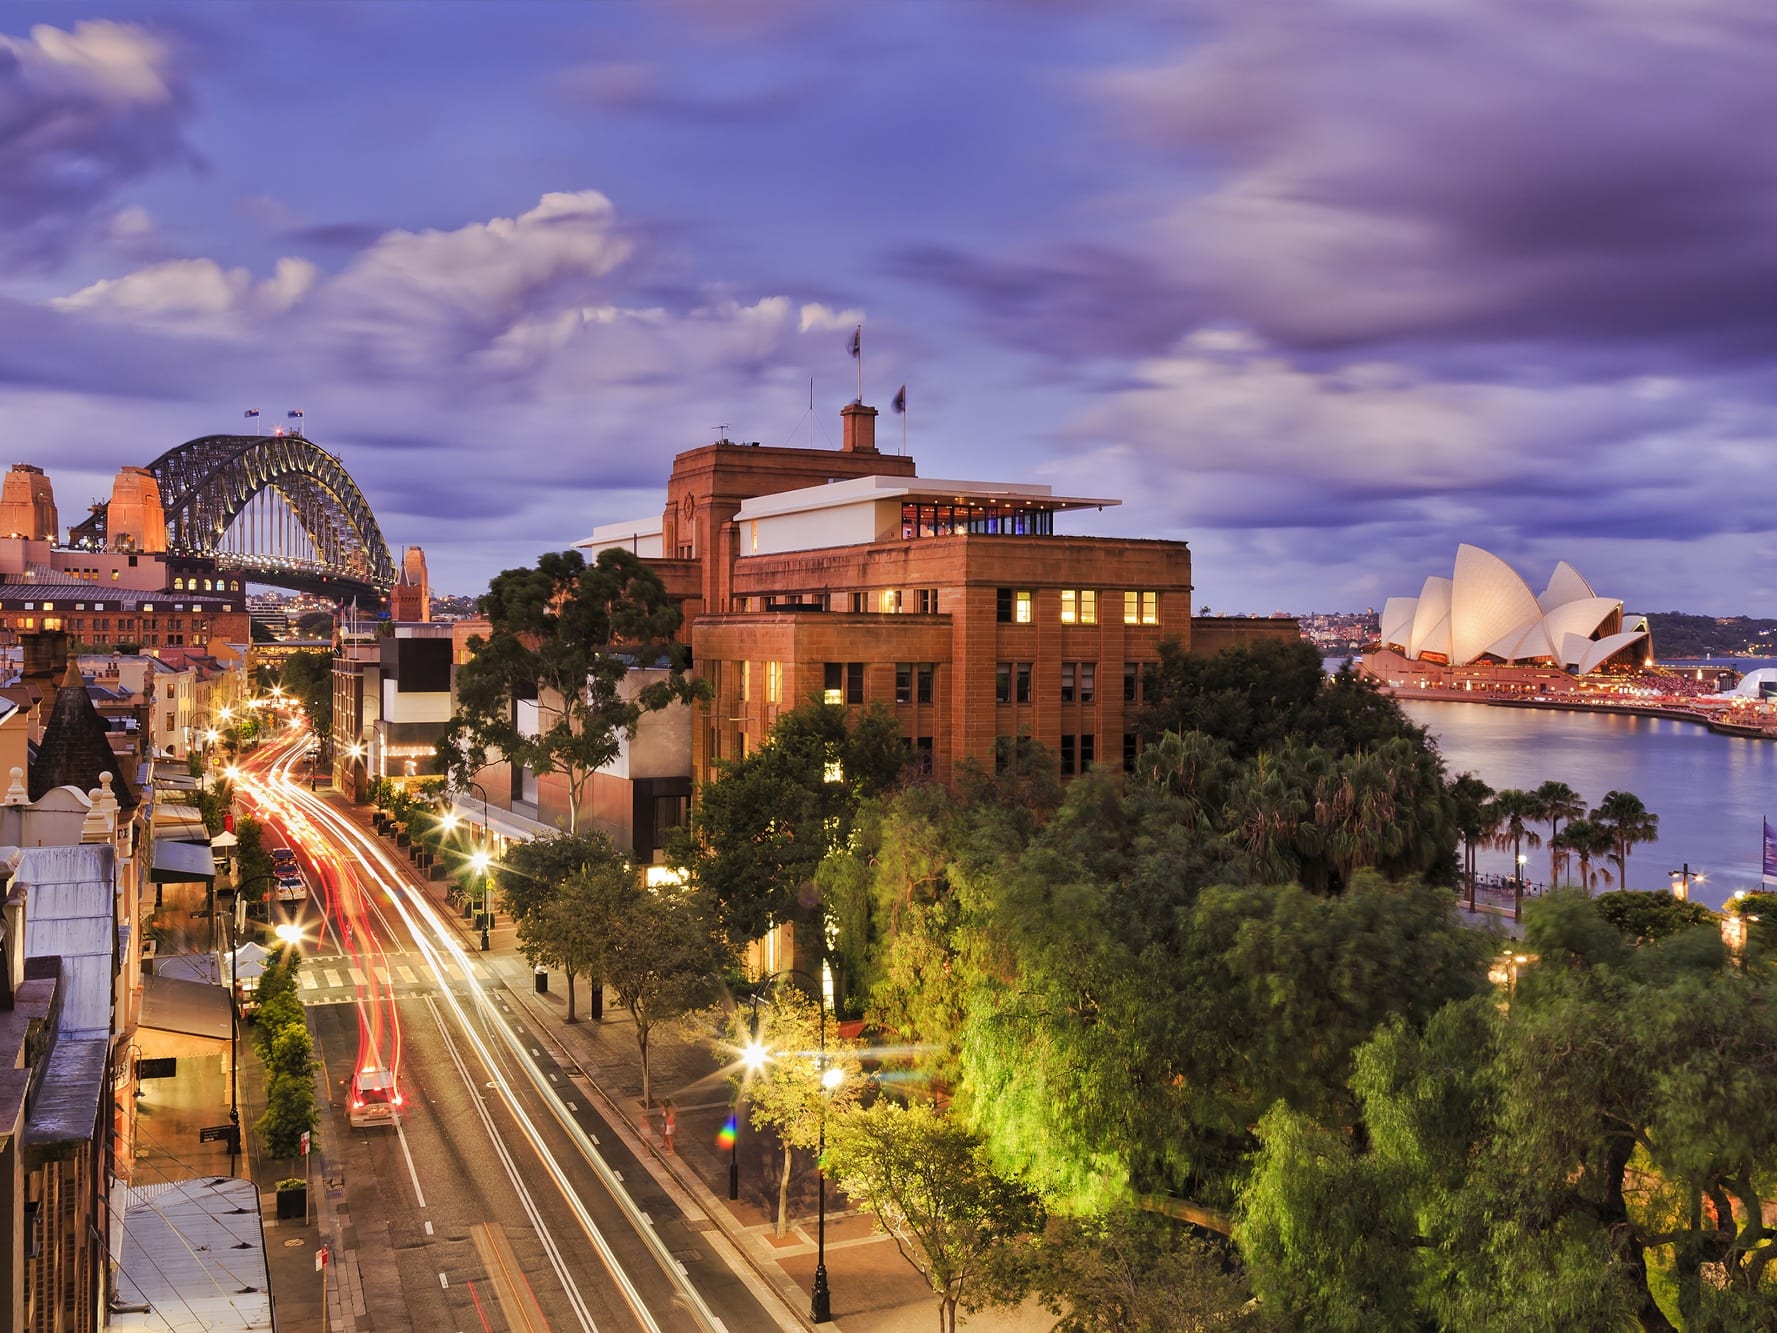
[(1745, 718)]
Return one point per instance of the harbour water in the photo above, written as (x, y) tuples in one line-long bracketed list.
[(1711, 792)]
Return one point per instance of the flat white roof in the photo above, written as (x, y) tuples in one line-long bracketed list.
[(606, 534), (934, 490)]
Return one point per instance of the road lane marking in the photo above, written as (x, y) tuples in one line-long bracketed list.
[(331, 975), (428, 1227), (443, 1281), (357, 975)]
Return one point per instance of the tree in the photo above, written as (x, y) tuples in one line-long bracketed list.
[(532, 872), (1130, 1271), (1630, 823), (565, 634), (1587, 842), (930, 1185), (787, 1093), (308, 678), (572, 930), (1646, 918), (763, 827), (1476, 821), (315, 625), (659, 960), (1516, 809), (1555, 802), (253, 868)]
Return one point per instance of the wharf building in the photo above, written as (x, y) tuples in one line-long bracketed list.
[(845, 576)]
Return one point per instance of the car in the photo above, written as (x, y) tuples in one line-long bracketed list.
[(291, 888), (283, 856), (374, 1097)]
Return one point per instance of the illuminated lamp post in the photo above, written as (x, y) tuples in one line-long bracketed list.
[(480, 862), (1518, 889), (1682, 879)]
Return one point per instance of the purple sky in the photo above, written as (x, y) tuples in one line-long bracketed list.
[(1322, 286)]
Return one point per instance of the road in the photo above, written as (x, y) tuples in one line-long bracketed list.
[(500, 1199)]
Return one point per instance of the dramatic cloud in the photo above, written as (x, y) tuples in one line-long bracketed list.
[(1483, 169), (82, 112)]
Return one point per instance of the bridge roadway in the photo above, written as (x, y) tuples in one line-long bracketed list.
[(501, 1199)]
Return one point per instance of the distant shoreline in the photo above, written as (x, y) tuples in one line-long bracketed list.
[(1667, 711)]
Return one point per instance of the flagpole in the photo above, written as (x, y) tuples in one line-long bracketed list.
[(903, 420), (859, 338), (811, 411)]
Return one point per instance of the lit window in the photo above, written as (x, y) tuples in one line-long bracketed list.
[(1141, 608), (1021, 602), (774, 682), (746, 681), (1079, 606), (833, 687), (891, 600), (834, 771)]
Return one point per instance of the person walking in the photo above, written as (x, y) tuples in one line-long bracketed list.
[(668, 1123)]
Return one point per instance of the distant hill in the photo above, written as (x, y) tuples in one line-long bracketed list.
[(1679, 635)]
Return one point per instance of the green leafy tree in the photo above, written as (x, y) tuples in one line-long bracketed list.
[(930, 1185), (572, 930), (661, 963), (1130, 1271), (762, 828), (787, 1094), (564, 633), (1630, 823), (254, 871), (532, 872), (315, 625), (308, 678), (1647, 918)]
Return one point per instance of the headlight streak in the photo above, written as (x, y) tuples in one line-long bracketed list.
[(438, 945)]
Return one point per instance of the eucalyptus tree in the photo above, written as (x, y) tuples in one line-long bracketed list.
[(566, 635)]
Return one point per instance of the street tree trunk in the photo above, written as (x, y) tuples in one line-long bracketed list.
[(783, 1197), (642, 1047), (572, 1016)]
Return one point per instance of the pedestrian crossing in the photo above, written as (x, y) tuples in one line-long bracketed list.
[(340, 980)]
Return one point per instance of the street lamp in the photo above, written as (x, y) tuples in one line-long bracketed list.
[(236, 922), (1518, 889), (820, 1308), (480, 862), (1682, 879)]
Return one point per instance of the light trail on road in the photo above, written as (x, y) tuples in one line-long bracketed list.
[(446, 957)]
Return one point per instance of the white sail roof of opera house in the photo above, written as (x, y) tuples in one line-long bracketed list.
[(1486, 610)]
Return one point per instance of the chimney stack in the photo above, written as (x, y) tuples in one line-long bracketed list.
[(860, 428)]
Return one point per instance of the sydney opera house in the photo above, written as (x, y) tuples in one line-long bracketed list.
[(1485, 616)]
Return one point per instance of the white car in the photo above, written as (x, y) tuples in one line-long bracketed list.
[(291, 888)]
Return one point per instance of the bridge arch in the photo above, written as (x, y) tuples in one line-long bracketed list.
[(206, 483)]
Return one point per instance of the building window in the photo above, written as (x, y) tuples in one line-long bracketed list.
[(1129, 752), (1141, 608), (857, 601), (891, 601), (1131, 682), (1021, 674), (1079, 606), (922, 677), (1087, 746), (922, 753), (1067, 682), (843, 683), (774, 682), (1088, 682), (746, 681), (833, 683), (1013, 606), (1067, 754), (928, 601), (1002, 683), (854, 682), (903, 682)]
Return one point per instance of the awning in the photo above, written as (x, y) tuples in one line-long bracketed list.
[(182, 863)]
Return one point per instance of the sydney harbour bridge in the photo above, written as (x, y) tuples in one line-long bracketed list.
[(278, 508)]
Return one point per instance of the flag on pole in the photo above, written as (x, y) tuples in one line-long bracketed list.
[(1770, 875), (295, 412), (251, 412), (900, 403), (857, 341)]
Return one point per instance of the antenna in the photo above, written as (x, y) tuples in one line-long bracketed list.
[(721, 432)]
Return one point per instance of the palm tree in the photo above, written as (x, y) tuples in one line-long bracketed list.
[(1476, 822), (1515, 809), (1556, 801), (1630, 823), (1587, 841)]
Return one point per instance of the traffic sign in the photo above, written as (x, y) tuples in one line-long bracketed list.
[(305, 1143), (322, 1258)]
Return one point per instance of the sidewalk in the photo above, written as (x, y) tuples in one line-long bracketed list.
[(874, 1290)]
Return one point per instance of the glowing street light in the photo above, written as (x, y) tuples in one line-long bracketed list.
[(480, 862)]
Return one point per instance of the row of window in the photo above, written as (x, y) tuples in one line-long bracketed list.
[(1079, 751), (100, 606), (1012, 682), (1079, 606), (210, 585), (100, 624)]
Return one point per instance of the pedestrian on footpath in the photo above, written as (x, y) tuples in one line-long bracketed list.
[(668, 1123)]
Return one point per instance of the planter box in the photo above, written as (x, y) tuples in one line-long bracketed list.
[(293, 1204)]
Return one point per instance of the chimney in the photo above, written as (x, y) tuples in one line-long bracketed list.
[(860, 428)]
